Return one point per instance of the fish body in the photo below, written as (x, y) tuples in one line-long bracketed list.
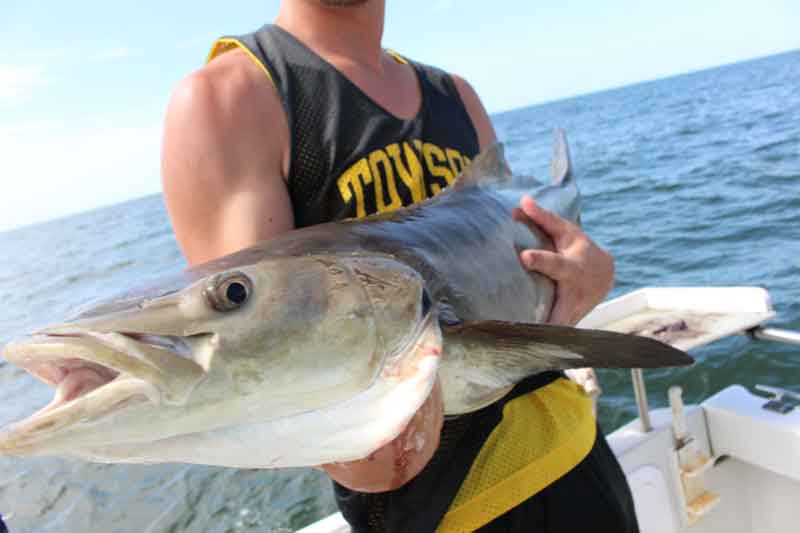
[(318, 346)]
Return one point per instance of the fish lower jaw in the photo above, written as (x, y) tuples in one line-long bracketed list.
[(84, 391), (78, 400)]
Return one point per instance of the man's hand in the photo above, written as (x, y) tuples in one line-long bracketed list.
[(583, 272)]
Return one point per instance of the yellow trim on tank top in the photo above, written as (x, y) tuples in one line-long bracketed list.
[(397, 57), (543, 435), (227, 44)]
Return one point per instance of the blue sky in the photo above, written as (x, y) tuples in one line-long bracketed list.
[(84, 83)]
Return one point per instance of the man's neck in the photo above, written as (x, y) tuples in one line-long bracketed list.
[(339, 34)]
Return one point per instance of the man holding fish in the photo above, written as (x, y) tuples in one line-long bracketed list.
[(310, 120)]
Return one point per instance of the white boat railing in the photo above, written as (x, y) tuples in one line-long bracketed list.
[(760, 333), (687, 317), (640, 394), (775, 334)]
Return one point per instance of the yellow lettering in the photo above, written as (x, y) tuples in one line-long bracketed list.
[(456, 161), (425, 169), (437, 168), (379, 157), (411, 174), (353, 181)]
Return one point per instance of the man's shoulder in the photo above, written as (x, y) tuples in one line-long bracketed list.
[(229, 118), (224, 159), (231, 84), (476, 111)]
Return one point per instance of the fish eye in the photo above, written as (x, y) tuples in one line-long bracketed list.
[(228, 292)]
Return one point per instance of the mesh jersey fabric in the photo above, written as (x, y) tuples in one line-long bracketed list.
[(511, 466), (349, 156)]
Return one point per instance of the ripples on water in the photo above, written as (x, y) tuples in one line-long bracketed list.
[(693, 180)]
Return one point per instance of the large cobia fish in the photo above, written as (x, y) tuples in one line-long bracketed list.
[(318, 346)]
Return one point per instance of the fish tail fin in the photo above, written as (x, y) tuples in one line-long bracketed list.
[(561, 194)]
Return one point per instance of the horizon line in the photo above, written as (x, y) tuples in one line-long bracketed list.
[(665, 77), (495, 114)]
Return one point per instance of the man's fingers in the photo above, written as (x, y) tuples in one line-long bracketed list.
[(520, 216), (552, 224), (551, 264)]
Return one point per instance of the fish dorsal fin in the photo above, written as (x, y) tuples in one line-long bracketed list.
[(561, 164), (488, 168)]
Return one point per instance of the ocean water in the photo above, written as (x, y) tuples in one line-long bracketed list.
[(691, 180)]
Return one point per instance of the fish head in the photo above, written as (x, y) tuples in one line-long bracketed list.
[(308, 324), (255, 342)]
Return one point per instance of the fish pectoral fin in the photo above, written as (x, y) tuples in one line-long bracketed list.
[(541, 347), (482, 358)]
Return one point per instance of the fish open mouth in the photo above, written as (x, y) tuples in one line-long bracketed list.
[(56, 360), (71, 378), (95, 374)]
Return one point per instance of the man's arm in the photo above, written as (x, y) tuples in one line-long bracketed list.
[(224, 159), (224, 162), (583, 272)]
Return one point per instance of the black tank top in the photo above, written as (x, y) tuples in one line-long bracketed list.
[(349, 156)]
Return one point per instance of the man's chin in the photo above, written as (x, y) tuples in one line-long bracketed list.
[(342, 3)]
